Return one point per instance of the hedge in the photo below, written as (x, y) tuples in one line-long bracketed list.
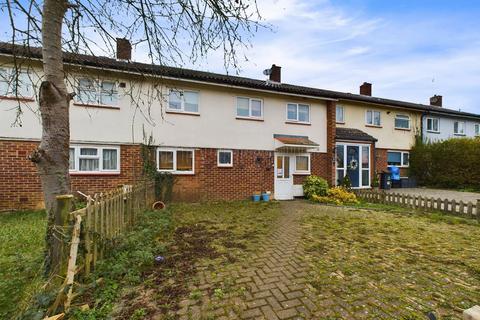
[(453, 163)]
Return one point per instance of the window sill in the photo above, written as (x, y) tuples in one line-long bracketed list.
[(459, 134), (249, 118), (183, 113), (188, 173), (340, 122), (94, 173), (401, 167), (403, 129), (100, 106), (435, 132), (299, 123), (373, 126), (301, 173), (225, 165), (20, 99)]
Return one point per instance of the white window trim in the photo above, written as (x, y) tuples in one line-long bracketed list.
[(98, 86), (182, 109), (296, 120), (464, 128), (224, 164), (438, 124), (30, 84), (343, 114), (401, 158), (174, 150), (476, 129), (301, 172), (373, 124), (99, 156), (249, 108), (360, 155), (403, 115)]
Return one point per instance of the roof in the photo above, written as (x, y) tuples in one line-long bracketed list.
[(216, 78), (294, 140), (353, 134)]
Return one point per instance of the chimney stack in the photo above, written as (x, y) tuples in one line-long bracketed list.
[(436, 101), (366, 89), (124, 49), (276, 73)]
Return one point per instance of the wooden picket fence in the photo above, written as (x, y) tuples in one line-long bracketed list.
[(95, 227), (460, 208)]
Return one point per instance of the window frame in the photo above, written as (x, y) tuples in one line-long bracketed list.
[(464, 123), (476, 129), (225, 165), (249, 108), (99, 156), (98, 86), (182, 101), (175, 150), (9, 71), (343, 114), (402, 115), (373, 118), (402, 158), (302, 172), (297, 105), (432, 119)]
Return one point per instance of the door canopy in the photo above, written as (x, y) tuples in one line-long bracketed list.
[(294, 144)]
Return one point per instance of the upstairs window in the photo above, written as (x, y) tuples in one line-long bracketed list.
[(340, 114), (249, 108), (373, 118), (433, 125), (15, 84), (297, 112), (92, 159), (398, 158), (459, 128), (177, 161), (97, 92), (477, 129), (402, 121), (183, 101)]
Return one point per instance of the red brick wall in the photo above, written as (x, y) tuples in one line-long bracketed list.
[(331, 127), (320, 166)]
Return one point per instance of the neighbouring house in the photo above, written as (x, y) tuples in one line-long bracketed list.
[(223, 137)]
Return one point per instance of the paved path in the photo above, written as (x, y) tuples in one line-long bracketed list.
[(271, 285), (439, 193)]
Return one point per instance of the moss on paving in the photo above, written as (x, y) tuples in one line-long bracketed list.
[(378, 265)]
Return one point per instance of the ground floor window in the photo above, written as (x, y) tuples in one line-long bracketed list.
[(398, 158), (353, 160), (225, 158), (302, 164), (178, 161), (93, 159)]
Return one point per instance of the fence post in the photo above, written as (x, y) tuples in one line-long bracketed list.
[(478, 209), (59, 247)]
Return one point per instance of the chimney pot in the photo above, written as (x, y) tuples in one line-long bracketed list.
[(276, 73), (124, 49), (366, 89), (436, 101)]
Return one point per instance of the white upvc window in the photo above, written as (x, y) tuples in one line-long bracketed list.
[(398, 158), (477, 129), (433, 125), (340, 114), (302, 164), (94, 159), (176, 160), (402, 121), (15, 83), (225, 158), (96, 92), (459, 128), (298, 112), (249, 108), (183, 101), (373, 118)]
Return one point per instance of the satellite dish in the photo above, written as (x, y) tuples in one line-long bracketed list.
[(267, 72)]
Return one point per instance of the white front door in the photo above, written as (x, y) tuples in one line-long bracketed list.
[(283, 177)]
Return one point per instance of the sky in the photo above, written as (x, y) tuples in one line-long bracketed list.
[(408, 49)]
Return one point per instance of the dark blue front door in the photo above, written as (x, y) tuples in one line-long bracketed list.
[(353, 165)]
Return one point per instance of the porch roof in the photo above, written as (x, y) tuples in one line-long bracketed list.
[(353, 134), (290, 143)]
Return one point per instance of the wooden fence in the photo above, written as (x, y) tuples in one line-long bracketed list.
[(93, 228), (460, 208)]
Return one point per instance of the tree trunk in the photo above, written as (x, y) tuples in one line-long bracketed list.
[(52, 156)]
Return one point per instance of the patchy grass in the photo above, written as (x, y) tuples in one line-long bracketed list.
[(134, 286), (373, 264), (22, 236)]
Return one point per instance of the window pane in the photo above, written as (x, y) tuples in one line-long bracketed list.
[(279, 167), (110, 159), (376, 120), (165, 160), (406, 159), (339, 114), (225, 157), (4, 81), (292, 111), (340, 176), (402, 122), (365, 178), (89, 165), (87, 91), (303, 113), (365, 157), (71, 159), (243, 107), (88, 151), (435, 125), (340, 156), (175, 100), (184, 160), (256, 108), (286, 169), (24, 88), (301, 163), (394, 158), (455, 127), (477, 129), (191, 101), (369, 117), (109, 93)]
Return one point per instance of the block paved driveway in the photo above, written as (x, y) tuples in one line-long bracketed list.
[(439, 193)]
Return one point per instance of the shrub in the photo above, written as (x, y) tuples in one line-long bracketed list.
[(338, 196), (314, 185), (346, 182)]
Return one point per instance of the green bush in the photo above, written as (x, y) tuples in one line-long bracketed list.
[(314, 185), (452, 163)]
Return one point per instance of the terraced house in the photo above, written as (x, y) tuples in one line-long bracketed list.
[(223, 137)]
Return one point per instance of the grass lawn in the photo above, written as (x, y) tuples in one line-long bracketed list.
[(373, 264), (21, 256)]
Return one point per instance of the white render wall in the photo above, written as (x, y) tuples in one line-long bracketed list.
[(446, 125), (216, 127)]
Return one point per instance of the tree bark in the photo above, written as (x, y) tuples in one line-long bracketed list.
[(52, 155)]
